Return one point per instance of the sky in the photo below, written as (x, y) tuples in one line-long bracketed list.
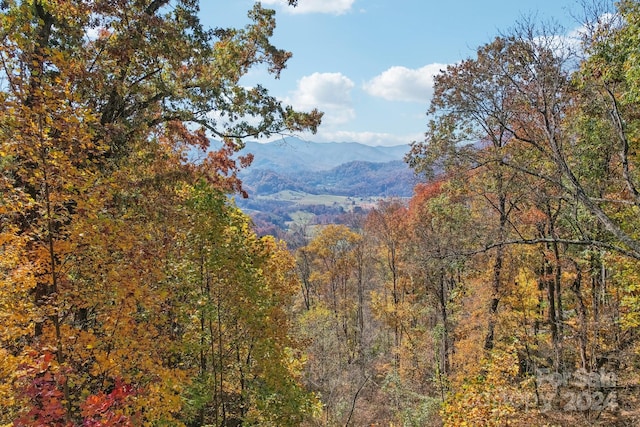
[(369, 64)]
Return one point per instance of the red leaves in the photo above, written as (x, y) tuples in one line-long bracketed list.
[(426, 191), (102, 410), (43, 386)]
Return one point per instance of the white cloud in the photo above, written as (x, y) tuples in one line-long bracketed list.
[(329, 92), (404, 84), (92, 33), (335, 7), (601, 27)]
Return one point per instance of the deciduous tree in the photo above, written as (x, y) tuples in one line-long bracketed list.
[(101, 102)]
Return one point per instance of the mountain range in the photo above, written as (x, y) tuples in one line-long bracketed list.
[(346, 169), (292, 180), (295, 155)]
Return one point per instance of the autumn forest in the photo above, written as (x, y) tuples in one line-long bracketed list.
[(133, 292)]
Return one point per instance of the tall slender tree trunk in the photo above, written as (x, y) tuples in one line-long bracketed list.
[(582, 318), (489, 341), (496, 283), (548, 278), (496, 289), (444, 297)]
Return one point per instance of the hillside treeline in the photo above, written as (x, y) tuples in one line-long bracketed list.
[(506, 292)]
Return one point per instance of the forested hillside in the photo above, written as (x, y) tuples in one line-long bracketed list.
[(506, 291), (133, 291), (356, 178), (293, 183), (277, 199)]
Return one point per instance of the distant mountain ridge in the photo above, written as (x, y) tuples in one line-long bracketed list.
[(295, 155), (344, 169), (357, 178), (298, 182)]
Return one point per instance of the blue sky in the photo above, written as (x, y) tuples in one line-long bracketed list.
[(368, 64)]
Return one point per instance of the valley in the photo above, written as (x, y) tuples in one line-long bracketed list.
[(294, 183)]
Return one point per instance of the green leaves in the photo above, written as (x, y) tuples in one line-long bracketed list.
[(238, 335)]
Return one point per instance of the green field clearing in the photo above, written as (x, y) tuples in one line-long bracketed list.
[(300, 198)]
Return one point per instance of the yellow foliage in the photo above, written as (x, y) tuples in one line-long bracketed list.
[(492, 396)]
